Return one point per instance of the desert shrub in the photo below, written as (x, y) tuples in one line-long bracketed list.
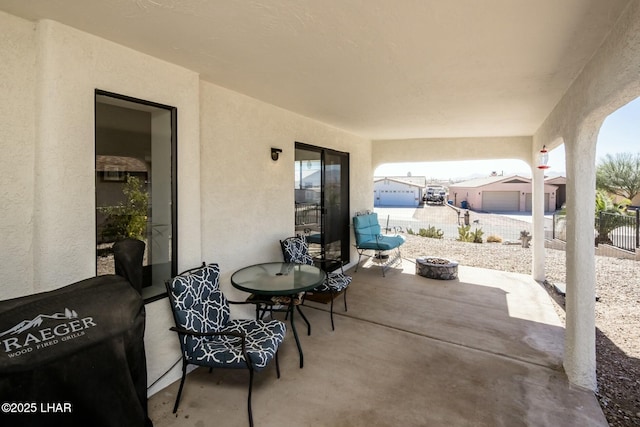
[(477, 235), (431, 232), (494, 239), (410, 231), (466, 235)]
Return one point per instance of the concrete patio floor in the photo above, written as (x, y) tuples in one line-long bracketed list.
[(483, 350)]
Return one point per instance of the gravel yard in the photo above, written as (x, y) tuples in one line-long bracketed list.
[(617, 311)]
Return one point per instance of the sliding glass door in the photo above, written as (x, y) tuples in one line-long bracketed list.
[(322, 201)]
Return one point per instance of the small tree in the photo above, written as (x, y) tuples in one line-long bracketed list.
[(128, 218), (619, 174), (609, 215)]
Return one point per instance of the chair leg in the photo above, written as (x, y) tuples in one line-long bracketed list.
[(358, 263), (333, 328), (249, 398), (277, 365), (305, 320), (184, 376), (345, 299)]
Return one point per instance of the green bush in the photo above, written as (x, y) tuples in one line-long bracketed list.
[(466, 235), (129, 218), (477, 235), (431, 232), (410, 231)]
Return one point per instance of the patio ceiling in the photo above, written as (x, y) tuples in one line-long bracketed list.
[(381, 69)]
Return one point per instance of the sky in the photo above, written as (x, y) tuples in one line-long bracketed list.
[(620, 133)]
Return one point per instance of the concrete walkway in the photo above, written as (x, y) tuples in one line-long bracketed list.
[(484, 350)]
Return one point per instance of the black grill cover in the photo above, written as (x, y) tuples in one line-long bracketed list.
[(74, 356)]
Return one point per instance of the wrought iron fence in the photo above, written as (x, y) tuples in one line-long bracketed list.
[(448, 219), (307, 213), (617, 230)]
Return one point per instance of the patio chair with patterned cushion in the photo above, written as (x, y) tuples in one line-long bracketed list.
[(209, 338), (296, 250)]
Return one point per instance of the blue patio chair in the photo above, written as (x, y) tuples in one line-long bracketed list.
[(296, 250), (209, 338), (368, 237)]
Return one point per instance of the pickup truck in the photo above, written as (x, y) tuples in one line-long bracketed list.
[(435, 196)]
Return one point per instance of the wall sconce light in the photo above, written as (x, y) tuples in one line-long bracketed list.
[(275, 153), (543, 158)]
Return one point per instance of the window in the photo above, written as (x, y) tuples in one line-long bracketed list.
[(135, 163)]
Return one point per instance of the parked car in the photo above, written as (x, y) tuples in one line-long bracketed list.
[(435, 195)]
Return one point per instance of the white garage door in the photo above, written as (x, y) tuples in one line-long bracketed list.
[(398, 198), (501, 201), (528, 203)]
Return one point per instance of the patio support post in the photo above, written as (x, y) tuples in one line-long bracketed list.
[(580, 354), (538, 271)]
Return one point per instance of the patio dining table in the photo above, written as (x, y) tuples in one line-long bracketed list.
[(279, 279)]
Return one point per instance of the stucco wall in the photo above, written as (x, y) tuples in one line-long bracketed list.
[(71, 66), (49, 75), (17, 115), (607, 82), (234, 202), (247, 198)]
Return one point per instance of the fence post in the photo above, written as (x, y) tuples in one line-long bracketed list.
[(638, 228), (553, 227), (599, 228)]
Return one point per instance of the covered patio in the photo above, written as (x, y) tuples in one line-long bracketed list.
[(483, 350), (384, 82)]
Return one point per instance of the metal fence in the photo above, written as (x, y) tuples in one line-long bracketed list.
[(307, 213), (506, 226), (617, 230)]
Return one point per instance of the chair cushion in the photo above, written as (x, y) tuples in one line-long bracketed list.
[(366, 228), (382, 243), (296, 250), (199, 305), (335, 282), (262, 342), (314, 238)]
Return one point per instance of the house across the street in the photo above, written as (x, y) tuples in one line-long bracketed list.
[(392, 191), (500, 194)]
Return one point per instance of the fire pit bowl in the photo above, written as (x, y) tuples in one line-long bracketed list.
[(437, 268)]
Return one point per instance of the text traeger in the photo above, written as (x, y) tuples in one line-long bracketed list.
[(36, 339)]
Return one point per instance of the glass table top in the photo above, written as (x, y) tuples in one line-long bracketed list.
[(277, 278)]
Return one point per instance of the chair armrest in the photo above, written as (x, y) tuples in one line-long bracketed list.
[(206, 334), (243, 339), (250, 301)]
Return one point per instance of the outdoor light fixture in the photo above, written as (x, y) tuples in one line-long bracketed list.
[(543, 158), (275, 153)]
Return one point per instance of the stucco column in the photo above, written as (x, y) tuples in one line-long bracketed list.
[(580, 355), (537, 268)]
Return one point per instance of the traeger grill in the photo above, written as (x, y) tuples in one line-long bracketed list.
[(74, 356)]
